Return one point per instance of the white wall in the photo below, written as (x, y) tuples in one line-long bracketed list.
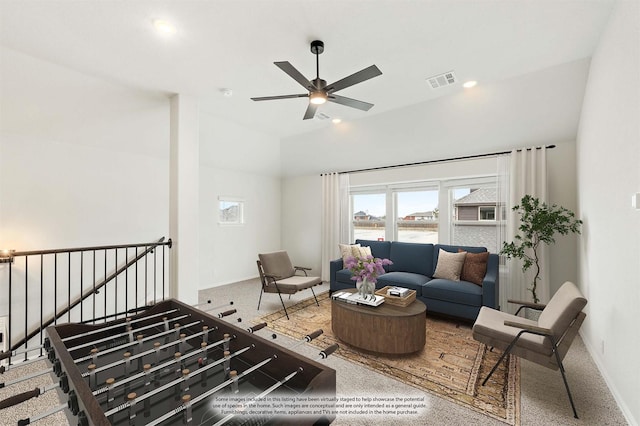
[(83, 162), (608, 152), (240, 163)]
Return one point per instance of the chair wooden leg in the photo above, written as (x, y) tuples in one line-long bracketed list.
[(314, 296)]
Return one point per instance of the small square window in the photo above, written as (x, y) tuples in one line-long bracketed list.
[(230, 211), (487, 213)]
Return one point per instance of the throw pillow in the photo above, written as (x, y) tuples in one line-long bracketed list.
[(348, 250), (364, 251), (475, 267), (449, 265)]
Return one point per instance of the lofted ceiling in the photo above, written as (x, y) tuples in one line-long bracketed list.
[(232, 44)]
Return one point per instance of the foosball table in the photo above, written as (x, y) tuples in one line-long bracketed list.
[(173, 364)]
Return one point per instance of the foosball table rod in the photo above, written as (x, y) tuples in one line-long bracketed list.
[(185, 377), (159, 367), (130, 332), (128, 321), (127, 345), (210, 392), (29, 420), (157, 348)]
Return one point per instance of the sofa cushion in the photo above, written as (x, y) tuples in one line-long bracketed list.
[(364, 252), (449, 265), (475, 267), (453, 291), (403, 279), (348, 250), (379, 249), (411, 257), (453, 249)]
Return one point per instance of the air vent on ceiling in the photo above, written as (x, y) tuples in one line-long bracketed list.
[(442, 80), (321, 116)]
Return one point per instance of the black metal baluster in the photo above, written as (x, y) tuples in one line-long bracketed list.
[(94, 284), (146, 255), (163, 265), (55, 288), (105, 290), (81, 286), (115, 291), (69, 290), (26, 301), (41, 297), (137, 278), (126, 280), (10, 316), (155, 270)]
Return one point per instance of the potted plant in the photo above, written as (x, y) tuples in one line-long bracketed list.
[(539, 223)]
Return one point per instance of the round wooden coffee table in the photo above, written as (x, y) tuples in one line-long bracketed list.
[(385, 329)]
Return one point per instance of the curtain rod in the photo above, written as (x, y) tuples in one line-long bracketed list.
[(466, 157)]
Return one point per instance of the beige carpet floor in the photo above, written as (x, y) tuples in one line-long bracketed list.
[(450, 365), (543, 397)]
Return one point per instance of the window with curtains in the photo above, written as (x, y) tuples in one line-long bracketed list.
[(474, 208), (453, 211), (395, 212)]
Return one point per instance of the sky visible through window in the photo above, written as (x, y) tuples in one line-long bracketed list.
[(408, 202)]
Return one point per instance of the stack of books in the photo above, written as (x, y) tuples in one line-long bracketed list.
[(356, 299)]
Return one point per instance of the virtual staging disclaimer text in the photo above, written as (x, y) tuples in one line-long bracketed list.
[(302, 405)]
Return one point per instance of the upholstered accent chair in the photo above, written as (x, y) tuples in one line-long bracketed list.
[(278, 275), (545, 341)]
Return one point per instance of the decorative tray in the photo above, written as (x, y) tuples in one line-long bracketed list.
[(395, 300)]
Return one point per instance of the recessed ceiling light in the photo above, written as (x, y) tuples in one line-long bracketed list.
[(164, 27), (469, 84), (336, 120)]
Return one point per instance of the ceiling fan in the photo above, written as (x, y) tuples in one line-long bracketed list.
[(321, 92)]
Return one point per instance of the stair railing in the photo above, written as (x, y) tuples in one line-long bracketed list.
[(102, 283)]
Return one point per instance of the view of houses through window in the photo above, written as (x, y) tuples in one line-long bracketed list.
[(412, 214), (474, 217), (230, 211)]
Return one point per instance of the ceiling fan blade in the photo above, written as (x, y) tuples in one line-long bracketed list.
[(353, 103), (311, 111), (295, 74), (355, 78), (273, 98)]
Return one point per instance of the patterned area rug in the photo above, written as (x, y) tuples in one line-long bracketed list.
[(451, 364)]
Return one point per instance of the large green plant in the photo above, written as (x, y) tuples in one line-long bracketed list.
[(539, 223)]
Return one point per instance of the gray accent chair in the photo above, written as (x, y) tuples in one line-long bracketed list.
[(545, 341), (278, 275)]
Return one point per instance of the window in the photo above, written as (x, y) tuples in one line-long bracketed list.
[(487, 213), (369, 216), (473, 212), (417, 216), (230, 211), (406, 213)]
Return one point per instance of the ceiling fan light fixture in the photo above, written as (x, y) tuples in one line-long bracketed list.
[(318, 98)]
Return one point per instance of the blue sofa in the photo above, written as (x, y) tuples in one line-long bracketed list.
[(413, 267)]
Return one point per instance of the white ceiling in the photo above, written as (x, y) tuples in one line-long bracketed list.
[(233, 44)]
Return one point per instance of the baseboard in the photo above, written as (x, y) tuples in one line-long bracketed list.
[(595, 356)]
